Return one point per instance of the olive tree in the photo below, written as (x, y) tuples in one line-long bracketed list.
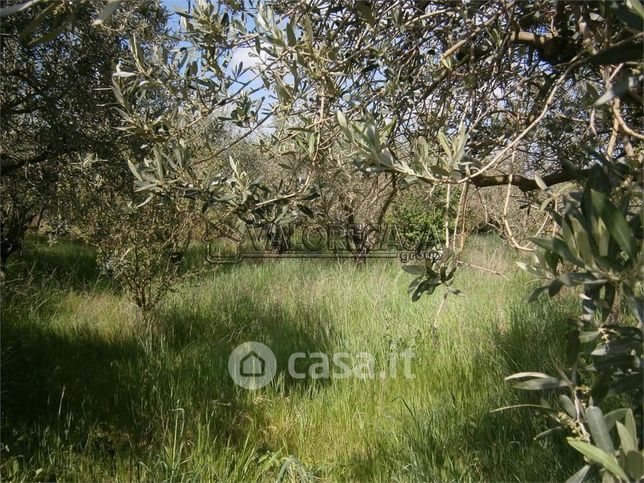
[(540, 96), (63, 157), (470, 90), (54, 104)]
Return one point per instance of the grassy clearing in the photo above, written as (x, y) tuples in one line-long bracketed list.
[(87, 396)]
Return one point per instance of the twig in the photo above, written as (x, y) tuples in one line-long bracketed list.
[(506, 223), (461, 262), (440, 308)]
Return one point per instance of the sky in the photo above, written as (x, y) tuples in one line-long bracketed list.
[(245, 55)]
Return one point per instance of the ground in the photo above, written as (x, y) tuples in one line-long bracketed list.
[(88, 395)]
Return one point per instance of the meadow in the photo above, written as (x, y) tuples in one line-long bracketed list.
[(87, 394)]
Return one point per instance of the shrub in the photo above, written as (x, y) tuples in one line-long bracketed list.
[(420, 220), (141, 247)]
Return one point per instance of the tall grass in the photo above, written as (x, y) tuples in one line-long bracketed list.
[(86, 395)]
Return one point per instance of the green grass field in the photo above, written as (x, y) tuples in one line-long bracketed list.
[(87, 395)]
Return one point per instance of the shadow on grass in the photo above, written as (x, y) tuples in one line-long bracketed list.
[(49, 375), (71, 265), (535, 339), (106, 394), (243, 319)]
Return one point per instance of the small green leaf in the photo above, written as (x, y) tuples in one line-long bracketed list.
[(539, 381), (541, 384), (446, 147), (615, 222), (19, 7), (312, 140), (582, 241), (568, 406), (438, 170), (290, 35), (372, 135), (364, 9), (555, 286), (616, 90), (599, 429), (612, 417), (580, 475), (597, 455), (557, 246), (540, 182), (635, 465), (108, 10), (536, 294), (629, 422), (635, 304), (414, 269), (627, 440), (306, 210), (309, 27), (342, 121), (134, 170)]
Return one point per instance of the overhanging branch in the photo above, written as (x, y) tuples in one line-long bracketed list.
[(527, 184), (8, 164)]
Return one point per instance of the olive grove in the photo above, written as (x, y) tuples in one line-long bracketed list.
[(530, 112)]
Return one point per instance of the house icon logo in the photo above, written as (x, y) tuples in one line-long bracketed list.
[(252, 365)]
